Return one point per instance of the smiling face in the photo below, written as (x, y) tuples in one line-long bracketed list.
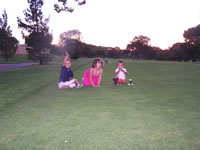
[(68, 64), (98, 65)]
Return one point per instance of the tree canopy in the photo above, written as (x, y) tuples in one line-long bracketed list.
[(62, 5), (39, 37), (192, 45), (141, 48), (8, 43), (70, 34), (192, 35)]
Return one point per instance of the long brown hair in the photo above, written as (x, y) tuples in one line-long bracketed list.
[(120, 62), (96, 60)]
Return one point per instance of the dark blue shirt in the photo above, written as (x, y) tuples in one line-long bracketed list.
[(65, 74)]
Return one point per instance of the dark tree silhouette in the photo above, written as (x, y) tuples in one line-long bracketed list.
[(71, 34), (192, 39), (141, 48), (39, 37), (8, 44), (63, 5), (192, 35)]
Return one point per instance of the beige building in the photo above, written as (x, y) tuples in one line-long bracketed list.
[(21, 50)]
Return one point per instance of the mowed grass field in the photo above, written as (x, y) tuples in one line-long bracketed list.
[(17, 59), (162, 110)]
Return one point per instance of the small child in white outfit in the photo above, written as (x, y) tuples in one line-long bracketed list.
[(121, 72)]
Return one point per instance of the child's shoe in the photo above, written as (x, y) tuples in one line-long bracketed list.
[(79, 85), (115, 81)]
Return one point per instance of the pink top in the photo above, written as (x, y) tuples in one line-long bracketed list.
[(86, 79)]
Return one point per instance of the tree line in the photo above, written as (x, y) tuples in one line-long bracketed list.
[(39, 40), (138, 48)]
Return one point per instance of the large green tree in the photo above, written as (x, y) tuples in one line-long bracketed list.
[(141, 48), (71, 41), (192, 35), (70, 34), (39, 38), (192, 39), (8, 43)]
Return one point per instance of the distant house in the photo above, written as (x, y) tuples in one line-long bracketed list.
[(21, 50), (109, 48), (115, 48)]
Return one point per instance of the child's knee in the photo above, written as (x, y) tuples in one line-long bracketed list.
[(124, 81), (72, 85), (119, 80)]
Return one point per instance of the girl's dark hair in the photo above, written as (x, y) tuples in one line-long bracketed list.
[(120, 61), (96, 60)]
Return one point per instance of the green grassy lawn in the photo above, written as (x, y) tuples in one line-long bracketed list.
[(162, 110), (16, 59)]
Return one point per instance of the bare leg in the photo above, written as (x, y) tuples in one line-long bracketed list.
[(124, 81), (64, 86), (76, 82)]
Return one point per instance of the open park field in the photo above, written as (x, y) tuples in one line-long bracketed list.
[(161, 111)]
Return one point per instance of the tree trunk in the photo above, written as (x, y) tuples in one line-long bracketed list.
[(6, 56), (40, 55)]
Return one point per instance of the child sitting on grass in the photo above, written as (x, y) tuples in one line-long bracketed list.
[(120, 72), (67, 79), (92, 76)]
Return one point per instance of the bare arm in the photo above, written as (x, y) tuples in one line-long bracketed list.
[(66, 57), (117, 72), (91, 72), (123, 71), (100, 77)]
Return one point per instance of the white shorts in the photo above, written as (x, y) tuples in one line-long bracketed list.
[(70, 83)]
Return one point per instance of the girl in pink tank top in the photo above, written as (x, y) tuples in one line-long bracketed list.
[(92, 76)]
